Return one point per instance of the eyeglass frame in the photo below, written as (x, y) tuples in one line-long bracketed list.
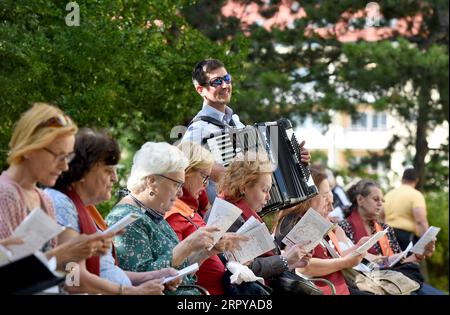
[(179, 183), (205, 177), (223, 79), (61, 157)]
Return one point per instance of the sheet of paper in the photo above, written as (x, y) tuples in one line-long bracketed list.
[(37, 229), (370, 242), (402, 255), (250, 224), (337, 213), (362, 267), (260, 241), (122, 223), (222, 215), (311, 227), (185, 271), (428, 236)]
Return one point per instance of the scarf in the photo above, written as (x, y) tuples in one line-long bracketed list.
[(87, 226), (357, 224)]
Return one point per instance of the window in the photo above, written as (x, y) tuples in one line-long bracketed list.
[(379, 121), (360, 122)]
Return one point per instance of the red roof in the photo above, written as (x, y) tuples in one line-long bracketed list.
[(249, 14)]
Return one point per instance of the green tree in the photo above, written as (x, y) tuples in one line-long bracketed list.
[(119, 69), (312, 73)]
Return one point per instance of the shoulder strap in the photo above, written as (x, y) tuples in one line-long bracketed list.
[(208, 119)]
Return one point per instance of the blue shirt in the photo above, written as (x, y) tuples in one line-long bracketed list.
[(200, 130), (67, 215)]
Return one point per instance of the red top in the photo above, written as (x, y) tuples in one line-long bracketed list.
[(211, 271), (337, 278)]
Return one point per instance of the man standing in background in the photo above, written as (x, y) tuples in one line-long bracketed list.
[(405, 210)]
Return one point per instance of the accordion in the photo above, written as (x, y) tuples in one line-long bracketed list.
[(291, 181)]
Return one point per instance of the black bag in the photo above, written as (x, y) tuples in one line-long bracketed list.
[(291, 283)]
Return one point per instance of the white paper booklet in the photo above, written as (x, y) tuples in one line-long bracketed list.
[(260, 241), (122, 223), (428, 236), (311, 227), (37, 229), (222, 215), (401, 255), (370, 242), (185, 271), (250, 224)]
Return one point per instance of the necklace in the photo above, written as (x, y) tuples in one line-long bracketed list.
[(153, 214)]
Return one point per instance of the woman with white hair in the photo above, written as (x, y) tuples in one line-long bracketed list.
[(156, 181)]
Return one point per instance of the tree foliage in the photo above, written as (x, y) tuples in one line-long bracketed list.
[(293, 71), (119, 69)]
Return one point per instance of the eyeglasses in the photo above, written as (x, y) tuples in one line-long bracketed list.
[(179, 184), (219, 80), (61, 157), (205, 177)]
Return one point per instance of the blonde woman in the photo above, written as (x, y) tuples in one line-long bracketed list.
[(185, 219), (40, 148)]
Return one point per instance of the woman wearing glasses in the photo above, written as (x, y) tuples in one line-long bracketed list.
[(156, 181), (88, 182), (322, 264), (40, 148), (184, 218), (246, 184)]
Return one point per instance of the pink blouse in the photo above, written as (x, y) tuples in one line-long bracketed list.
[(12, 206)]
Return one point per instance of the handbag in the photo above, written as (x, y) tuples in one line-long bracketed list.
[(381, 282), (291, 283)]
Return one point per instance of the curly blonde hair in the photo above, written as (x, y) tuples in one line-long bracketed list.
[(244, 171)]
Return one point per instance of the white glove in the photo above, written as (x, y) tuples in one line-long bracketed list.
[(241, 273)]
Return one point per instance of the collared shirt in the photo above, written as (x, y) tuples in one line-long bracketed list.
[(200, 130)]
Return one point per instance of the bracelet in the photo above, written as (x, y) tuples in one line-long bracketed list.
[(120, 289), (285, 262)]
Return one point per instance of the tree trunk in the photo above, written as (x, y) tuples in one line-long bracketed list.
[(421, 142)]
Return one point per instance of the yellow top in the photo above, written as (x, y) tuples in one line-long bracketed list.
[(398, 207)]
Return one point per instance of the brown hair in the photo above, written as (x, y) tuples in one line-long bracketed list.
[(91, 147)]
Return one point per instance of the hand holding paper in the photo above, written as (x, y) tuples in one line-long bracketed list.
[(223, 214), (122, 223), (37, 229), (369, 243), (188, 270), (427, 237), (311, 227)]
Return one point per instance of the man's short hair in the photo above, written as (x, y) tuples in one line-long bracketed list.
[(410, 175), (199, 74)]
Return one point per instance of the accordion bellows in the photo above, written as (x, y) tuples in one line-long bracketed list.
[(291, 181)]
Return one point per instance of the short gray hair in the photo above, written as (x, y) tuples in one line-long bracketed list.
[(154, 158)]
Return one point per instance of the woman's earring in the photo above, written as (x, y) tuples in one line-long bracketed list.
[(151, 193)]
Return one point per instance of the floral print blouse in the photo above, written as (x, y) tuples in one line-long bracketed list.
[(147, 244)]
